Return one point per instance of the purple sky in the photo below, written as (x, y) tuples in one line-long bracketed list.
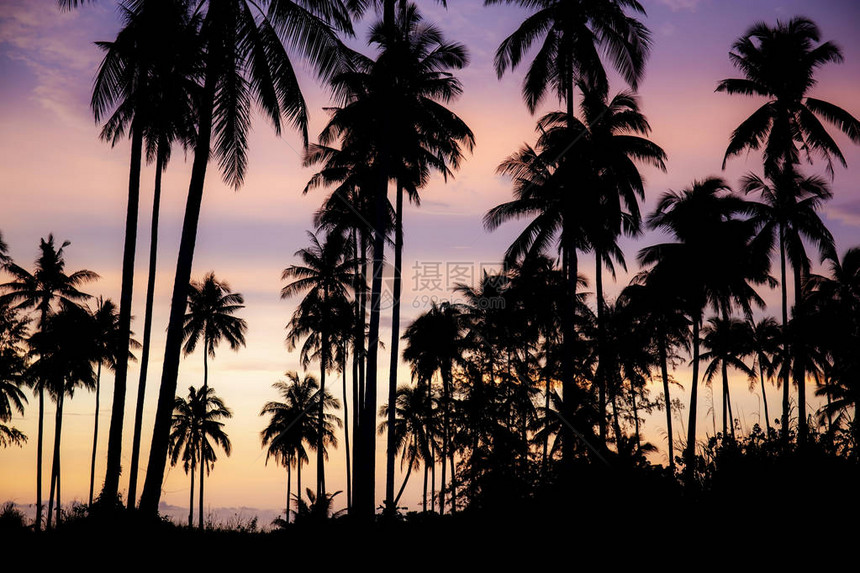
[(56, 176)]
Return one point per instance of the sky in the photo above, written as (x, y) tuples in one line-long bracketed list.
[(56, 176)]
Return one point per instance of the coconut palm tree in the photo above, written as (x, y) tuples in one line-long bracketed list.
[(726, 342), (108, 341), (245, 62), (13, 366), (196, 426), (786, 216), (573, 35), (323, 315), (210, 318), (413, 429), (67, 349), (779, 64), (44, 289), (712, 263), (765, 342)]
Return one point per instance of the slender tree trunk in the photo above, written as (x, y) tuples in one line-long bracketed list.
[(446, 436), (453, 482), (635, 418), (39, 444), (55, 463), (424, 498), (191, 501), (690, 461), (207, 345), (299, 480), (568, 336), (346, 433), (785, 348), (725, 373), (358, 358), (764, 397), (433, 478), (395, 351), (799, 366), (321, 417), (545, 459), (664, 371), (147, 332), (110, 491), (289, 493), (403, 485), (601, 335), (173, 345), (95, 434)]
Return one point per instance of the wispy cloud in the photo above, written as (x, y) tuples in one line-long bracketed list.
[(677, 5)]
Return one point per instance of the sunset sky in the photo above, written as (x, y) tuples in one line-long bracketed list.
[(57, 177)]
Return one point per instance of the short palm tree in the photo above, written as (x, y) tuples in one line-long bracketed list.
[(196, 427), (43, 290), (211, 319), (726, 344), (765, 340)]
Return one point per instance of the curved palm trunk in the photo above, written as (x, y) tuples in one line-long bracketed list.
[(664, 371), (55, 464), (147, 332), (395, 352), (39, 445), (690, 457), (173, 345), (95, 434), (403, 485), (114, 454)]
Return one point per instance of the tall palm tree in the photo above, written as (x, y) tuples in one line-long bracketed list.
[(712, 263), (67, 349), (43, 290), (779, 64), (395, 121), (196, 426), (108, 346), (210, 318), (324, 313), (125, 93), (573, 35), (245, 62), (787, 216)]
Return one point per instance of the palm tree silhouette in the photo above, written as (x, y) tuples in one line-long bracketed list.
[(130, 88), (13, 364), (726, 344), (196, 426), (245, 62), (48, 286), (324, 314), (434, 344), (779, 64), (711, 263), (786, 214), (765, 342), (66, 347), (108, 346), (573, 34), (210, 317)]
